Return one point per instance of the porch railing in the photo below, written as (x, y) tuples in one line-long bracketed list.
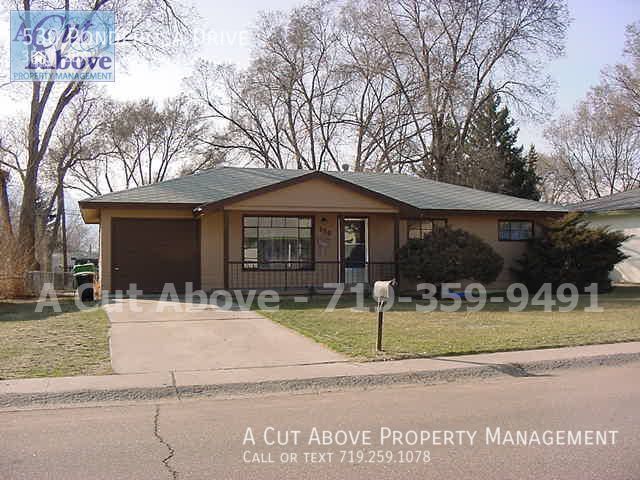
[(305, 275)]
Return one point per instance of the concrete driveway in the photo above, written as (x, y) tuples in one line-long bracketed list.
[(153, 336)]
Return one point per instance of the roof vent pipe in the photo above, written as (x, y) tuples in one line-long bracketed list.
[(345, 167)]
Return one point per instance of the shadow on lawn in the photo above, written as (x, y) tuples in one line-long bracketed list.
[(25, 310), (619, 296), (511, 369)]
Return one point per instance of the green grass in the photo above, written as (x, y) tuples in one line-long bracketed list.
[(410, 334), (52, 344)]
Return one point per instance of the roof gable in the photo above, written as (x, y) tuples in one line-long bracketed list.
[(318, 191)]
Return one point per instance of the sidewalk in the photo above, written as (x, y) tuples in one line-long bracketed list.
[(316, 376)]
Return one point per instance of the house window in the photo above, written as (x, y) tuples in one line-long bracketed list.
[(421, 228), (277, 243), (515, 230)]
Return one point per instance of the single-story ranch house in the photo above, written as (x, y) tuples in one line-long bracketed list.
[(620, 211), (228, 228)]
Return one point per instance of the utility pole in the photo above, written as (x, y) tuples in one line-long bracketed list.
[(64, 230)]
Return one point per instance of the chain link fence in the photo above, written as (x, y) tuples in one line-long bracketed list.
[(35, 281)]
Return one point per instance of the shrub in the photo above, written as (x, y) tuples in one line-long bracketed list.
[(570, 251), (449, 255)]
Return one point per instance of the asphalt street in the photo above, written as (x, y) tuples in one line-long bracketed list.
[(392, 432)]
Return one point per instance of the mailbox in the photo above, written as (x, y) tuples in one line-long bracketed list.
[(383, 290)]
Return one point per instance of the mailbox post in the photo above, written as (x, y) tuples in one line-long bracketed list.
[(380, 325), (382, 292)]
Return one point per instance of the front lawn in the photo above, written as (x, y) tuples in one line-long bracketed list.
[(52, 344), (411, 334)]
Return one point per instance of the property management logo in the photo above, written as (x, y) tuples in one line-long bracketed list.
[(62, 46)]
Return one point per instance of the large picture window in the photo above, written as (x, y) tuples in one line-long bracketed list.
[(277, 243), (515, 230), (418, 229)]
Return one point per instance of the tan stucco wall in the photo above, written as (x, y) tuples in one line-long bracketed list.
[(316, 194), (212, 250), (327, 236), (325, 202), (381, 238), (326, 246), (486, 227)]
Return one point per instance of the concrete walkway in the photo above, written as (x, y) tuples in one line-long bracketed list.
[(150, 336), (317, 377)]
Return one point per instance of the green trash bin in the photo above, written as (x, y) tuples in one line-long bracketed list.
[(83, 275)]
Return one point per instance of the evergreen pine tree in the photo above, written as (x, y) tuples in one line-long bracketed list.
[(522, 179), (494, 161)]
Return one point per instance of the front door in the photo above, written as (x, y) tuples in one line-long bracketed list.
[(355, 250)]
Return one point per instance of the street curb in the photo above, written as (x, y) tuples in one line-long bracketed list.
[(318, 384)]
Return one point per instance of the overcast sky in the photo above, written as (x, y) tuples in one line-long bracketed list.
[(596, 39)]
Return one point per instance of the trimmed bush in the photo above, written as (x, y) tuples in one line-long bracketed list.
[(449, 255), (571, 251)]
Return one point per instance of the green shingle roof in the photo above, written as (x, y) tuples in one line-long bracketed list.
[(629, 200), (427, 194), (219, 184), (208, 186)]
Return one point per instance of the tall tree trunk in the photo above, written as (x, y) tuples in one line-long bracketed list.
[(39, 137), (63, 218), (52, 240), (438, 162), (27, 223), (5, 214)]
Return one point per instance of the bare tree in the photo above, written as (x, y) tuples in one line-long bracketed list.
[(78, 127), (445, 53), (388, 85), (379, 118), (624, 78), (286, 108), (597, 147), (5, 219), (555, 180), (69, 145), (137, 143), (146, 28)]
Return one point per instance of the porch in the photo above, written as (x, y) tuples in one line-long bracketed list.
[(309, 251), (318, 277)]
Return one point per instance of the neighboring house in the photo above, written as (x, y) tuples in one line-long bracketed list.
[(620, 211), (228, 228)]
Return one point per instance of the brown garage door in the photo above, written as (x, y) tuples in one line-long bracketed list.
[(150, 253)]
